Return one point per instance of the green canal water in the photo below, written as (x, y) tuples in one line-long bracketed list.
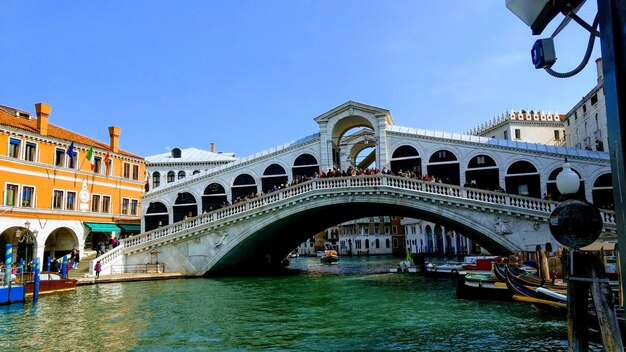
[(353, 306)]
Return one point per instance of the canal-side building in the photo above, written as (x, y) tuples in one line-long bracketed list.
[(376, 235), (63, 190), (180, 163), (586, 123), (434, 239), (530, 126)]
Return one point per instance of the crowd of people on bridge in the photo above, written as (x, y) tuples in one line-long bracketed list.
[(336, 172)]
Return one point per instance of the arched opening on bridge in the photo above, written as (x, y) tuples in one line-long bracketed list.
[(244, 185), (171, 177), (214, 197), (274, 177), (482, 172), (185, 206), (347, 132), (444, 165), (156, 179), (181, 174), (523, 179), (406, 158), (364, 157), (195, 172), (553, 192), (306, 166), (156, 215), (602, 192), (61, 241)]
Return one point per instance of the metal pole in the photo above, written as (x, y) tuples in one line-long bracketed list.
[(612, 15)]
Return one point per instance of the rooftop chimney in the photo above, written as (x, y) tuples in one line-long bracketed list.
[(599, 69), (43, 112), (212, 147), (114, 133)]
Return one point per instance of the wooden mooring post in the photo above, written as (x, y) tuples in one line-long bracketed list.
[(588, 275)]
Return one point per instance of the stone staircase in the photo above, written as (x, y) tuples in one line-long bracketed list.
[(83, 266)]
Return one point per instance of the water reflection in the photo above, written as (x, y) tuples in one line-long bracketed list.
[(355, 305)]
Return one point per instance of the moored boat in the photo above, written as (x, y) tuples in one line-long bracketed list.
[(482, 286), (449, 269), (50, 282)]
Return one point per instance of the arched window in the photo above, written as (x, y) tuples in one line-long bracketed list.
[(406, 158), (243, 185), (602, 192), (482, 172), (156, 179), (214, 197), (185, 206), (156, 215), (171, 176), (444, 165), (195, 172), (523, 179), (274, 177), (305, 165), (181, 174)]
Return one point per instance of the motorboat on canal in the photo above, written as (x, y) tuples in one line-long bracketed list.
[(474, 264), (449, 269), (330, 257), (50, 282)]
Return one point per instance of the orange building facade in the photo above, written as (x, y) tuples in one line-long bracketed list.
[(62, 190)]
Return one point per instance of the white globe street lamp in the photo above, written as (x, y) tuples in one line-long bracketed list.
[(567, 181)]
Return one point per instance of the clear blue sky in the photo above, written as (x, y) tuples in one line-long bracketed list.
[(250, 75)]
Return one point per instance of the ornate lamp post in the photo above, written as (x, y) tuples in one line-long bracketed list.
[(28, 237)]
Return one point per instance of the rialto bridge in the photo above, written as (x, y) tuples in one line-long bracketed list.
[(491, 191)]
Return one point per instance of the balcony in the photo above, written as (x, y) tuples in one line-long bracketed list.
[(597, 134)]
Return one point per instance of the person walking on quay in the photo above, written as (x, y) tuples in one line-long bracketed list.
[(75, 258), (98, 268)]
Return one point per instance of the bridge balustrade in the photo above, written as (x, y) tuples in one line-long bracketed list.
[(341, 183)]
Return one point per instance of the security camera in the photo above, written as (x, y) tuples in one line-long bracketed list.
[(543, 53)]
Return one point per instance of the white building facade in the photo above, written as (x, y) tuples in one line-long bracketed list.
[(586, 123), (527, 126), (436, 240)]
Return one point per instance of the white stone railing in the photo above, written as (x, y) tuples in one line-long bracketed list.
[(525, 205), (107, 260)]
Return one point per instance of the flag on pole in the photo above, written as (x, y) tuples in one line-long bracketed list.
[(70, 153), (107, 162), (91, 158)]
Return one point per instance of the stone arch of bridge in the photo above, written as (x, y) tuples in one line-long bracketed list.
[(343, 125), (275, 236)]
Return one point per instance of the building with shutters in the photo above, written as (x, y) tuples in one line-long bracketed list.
[(62, 190)]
